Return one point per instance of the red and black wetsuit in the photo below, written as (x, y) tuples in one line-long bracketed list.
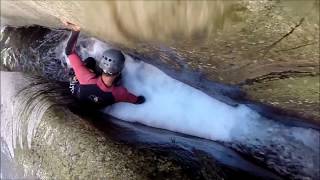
[(89, 88)]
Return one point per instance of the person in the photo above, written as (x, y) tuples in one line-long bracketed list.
[(91, 88)]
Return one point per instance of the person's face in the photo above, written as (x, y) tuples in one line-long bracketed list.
[(110, 78)]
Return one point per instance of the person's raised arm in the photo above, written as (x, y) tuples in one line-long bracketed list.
[(72, 40), (83, 74), (71, 43)]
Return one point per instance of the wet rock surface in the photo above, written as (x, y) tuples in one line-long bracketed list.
[(268, 48), (298, 94), (75, 150)]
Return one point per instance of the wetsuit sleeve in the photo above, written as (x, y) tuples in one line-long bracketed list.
[(72, 41), (83, 74), (121, 94)]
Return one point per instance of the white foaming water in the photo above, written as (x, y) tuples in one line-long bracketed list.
[(178, 107), (175, 106)]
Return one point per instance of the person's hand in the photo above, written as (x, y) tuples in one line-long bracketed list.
[(70, 25), (140, 100)]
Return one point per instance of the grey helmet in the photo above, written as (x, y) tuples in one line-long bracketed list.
[(112, 62)]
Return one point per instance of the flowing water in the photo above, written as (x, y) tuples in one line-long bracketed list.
[(283, 148)]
